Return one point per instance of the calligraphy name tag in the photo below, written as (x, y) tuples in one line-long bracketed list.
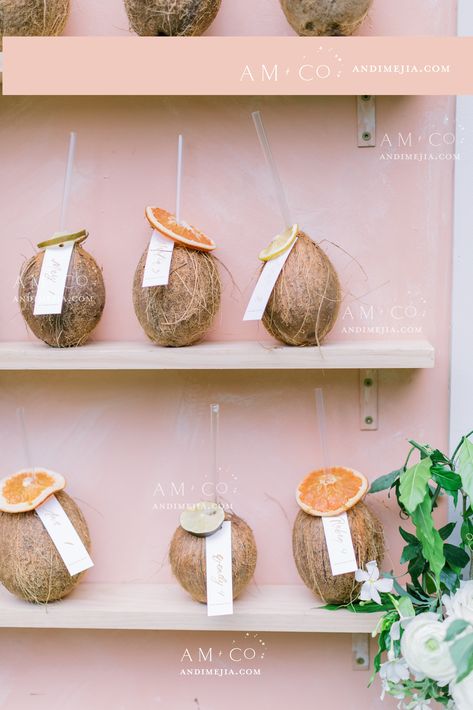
[(64, 536), (158, 261), (264, 287), (52, 280), (218, 555), (339, 544)]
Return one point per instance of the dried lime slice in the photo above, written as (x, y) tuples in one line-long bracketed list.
[(63, 237), (203, 519), (280, 244)]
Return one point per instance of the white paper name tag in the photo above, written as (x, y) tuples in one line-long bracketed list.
[(52, 280), (64, 536), (158, 261), (339, 544), (218, 554), (266, 282)]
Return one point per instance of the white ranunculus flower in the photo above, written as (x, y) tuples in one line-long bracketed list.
[(425, 650), (460, 604), (462, 693)]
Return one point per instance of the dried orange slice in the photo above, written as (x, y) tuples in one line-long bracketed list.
[(329, 492), (27, 489), (167, 224)]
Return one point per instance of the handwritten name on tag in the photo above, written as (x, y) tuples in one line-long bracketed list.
[(52, 280), (218, 554), (158, 261), (64, 536), (339, 544), (266, 283)]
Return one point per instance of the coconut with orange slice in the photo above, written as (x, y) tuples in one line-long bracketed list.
[(331, 492), (181, 312), (31, 568)]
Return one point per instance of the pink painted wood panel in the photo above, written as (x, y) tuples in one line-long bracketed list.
[(134, 446)]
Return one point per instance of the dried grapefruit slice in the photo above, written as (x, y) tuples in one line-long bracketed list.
[(166, 223), (329, 492), (27, 489)]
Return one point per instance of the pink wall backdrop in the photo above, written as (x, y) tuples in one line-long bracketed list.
[(265, 17), (123, 440)]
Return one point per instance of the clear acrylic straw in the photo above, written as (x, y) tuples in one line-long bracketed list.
[(214, 434), (180, 151), (68, 180), (321, 418), (20, 413), (268, 154)]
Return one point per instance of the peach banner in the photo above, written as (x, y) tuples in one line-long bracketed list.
[(238, 66)]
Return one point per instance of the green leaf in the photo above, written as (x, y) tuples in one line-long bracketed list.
[(465, 467), (446, 478), (384, 482), (413, 488), (432, 545), (467, 534), (455, 628), (449, 578), (462, 656), (447, 530), (416, 567), (455, 556), (410, 552), (408, 537), (406, 607)]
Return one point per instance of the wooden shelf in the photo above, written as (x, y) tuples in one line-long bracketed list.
[(219, 356), (169, 608)]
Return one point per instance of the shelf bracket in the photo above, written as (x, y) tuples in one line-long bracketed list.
[(368, 400), (361, 652), (366, 110)]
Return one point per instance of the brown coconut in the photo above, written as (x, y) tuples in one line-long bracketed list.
[(25, 18), (30, 566), (182, 312), (84, 301), (305, 300), (171, 18), (329, 18), (187, 557), (312, 560)]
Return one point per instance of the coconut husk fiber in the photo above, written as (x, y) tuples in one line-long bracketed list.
[(24, 18), (171, 18), (84, 301), (30, 566), (312, 559), (305, 300), (187, 557), (182, 312), (326, 18)]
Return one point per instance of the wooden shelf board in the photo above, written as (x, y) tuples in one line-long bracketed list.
[(385, 354), (169, 608)]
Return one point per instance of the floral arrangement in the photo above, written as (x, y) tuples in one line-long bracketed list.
[(425, 635)]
